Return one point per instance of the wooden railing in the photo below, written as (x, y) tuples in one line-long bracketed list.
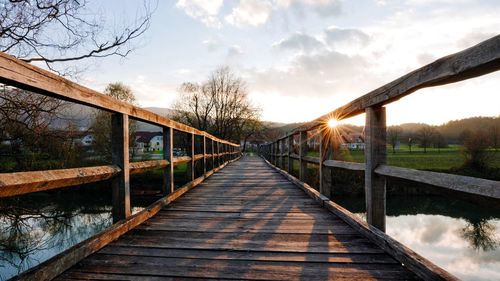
[(14, 72), (478, 60)]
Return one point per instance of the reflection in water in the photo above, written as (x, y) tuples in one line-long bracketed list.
[(481, 235), (35, 227), (462, 238)]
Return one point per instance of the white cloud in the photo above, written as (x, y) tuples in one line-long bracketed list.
[(337, 36), (299, 41), (204, 10), (211, 43), (250, 13), (234, 50)]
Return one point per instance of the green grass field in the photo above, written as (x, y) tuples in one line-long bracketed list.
[(450, 158)]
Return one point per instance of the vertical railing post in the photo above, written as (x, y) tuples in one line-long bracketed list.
[(272, 153), (289, 153), (213, 154), (282, 154), (375, 154), (204, 155), (302, 153), (193, 162), (325, 152), (168, 154), (190, 149), (218, 154), (120, 158)]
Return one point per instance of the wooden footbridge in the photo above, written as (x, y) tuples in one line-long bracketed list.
[(245, 217)]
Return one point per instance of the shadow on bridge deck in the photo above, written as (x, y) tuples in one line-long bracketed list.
[(245, 222)]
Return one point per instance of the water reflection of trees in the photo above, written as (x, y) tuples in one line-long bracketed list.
[(480, 234), (48, 221)]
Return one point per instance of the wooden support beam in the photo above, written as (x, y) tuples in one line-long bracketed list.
[(325, 173), (282, 154), (289, 153), (213, 154), (204, 155), (375, 155), (120, 158), (302, 154), (168, 154), (190, 170)]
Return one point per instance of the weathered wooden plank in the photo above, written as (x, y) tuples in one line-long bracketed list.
[(276, 242), (120, 157), (344, 165), (416, 263), (311, 159), (249, 270), (477, 186), (375, 155), (245, 255), (143, 166), (12, 184), (181, 159), (27, 76), (168, 154)]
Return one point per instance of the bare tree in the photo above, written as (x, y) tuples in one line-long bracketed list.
[(58, 31), (425, 136), (439, 141), (219, 106), (101, 125), (393, 136)]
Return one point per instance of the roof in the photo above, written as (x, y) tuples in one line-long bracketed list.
[(145, 137)]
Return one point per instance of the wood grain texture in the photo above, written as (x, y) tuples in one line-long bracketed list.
[(483, 187), (12, 184), (416, 263), (234, 227)]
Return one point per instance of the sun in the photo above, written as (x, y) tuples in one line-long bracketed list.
[(332, 123)]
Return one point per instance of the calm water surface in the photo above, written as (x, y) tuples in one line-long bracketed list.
[(36, 227), (460, 237)]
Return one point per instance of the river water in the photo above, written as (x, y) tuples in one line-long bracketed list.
[(462, 238)]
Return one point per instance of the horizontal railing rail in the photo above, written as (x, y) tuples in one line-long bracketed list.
[(16, 73), (478, 60)]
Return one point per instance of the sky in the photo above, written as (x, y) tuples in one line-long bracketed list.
[(304, 58)]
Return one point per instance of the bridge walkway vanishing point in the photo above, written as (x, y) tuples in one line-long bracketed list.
[(245, 222)]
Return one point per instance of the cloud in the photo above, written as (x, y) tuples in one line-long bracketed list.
[(299, 41), (250, 13), (212, 44), (234, 50), (324, 8), (472, 38), (337, 36), (324, 74), (204, 10)]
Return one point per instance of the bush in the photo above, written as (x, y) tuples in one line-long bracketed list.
[(476, 149)]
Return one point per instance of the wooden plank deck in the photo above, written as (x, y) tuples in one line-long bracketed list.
[(245, 222)]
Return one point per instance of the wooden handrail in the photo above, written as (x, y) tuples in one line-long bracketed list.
[(480, 59)]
